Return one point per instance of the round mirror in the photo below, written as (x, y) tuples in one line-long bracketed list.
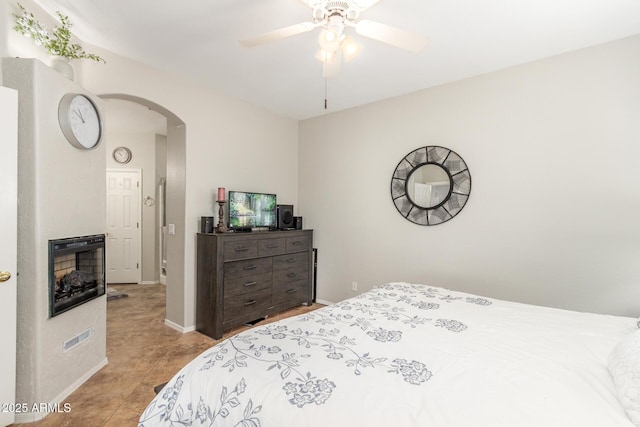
[(430, 185)]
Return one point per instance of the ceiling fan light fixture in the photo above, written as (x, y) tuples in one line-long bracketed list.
[(326, 57), (333, 17), (330, 36), (331, 69), (350, 48), (330, 39)]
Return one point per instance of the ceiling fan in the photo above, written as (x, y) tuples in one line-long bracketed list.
[(334, 17)]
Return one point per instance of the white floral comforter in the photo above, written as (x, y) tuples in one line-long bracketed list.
[(405, 355)]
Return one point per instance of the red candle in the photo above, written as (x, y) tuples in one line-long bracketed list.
[(221, 194)]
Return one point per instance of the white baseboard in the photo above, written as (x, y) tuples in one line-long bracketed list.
[(181, 329), (163, 280), (321, 301), (149, 282), (30, 417)]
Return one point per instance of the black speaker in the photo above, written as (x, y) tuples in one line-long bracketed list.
[(206, 224), (284, 215), (297, 222)]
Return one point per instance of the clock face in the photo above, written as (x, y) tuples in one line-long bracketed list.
[(80, 121), (122, 155)]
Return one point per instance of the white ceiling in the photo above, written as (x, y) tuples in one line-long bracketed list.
[(199, 39)]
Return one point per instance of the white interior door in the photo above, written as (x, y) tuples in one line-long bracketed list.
[(124, 246), (8, 250)]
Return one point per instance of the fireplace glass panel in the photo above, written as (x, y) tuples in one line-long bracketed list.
[(76, 272)]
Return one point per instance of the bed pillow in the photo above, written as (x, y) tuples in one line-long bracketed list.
[(624, 366)]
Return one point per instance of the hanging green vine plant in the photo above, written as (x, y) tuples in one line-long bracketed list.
[(57, 42)]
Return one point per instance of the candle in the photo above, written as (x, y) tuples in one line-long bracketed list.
[(221, 194)]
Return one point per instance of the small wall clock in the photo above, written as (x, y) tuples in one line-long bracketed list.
[(122, 155), (80, 121)]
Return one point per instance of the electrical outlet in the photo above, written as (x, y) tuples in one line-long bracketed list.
[(354, 286)]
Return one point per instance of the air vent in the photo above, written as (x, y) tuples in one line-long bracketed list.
[(77, 340)]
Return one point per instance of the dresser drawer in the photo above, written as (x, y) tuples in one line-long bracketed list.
[(241, 275), (298, 244), (270, 247), (247, 306), (234, 286), (283, 262), (292, 293), (240, 249), (249, 267), (301, 272)]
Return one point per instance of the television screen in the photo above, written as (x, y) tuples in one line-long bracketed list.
[(251, 209)]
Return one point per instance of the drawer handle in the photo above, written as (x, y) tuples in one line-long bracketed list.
[(272, 246), (250, 267), (291, 291), (248, 303), (291, 275), (242, 249), (292, 260), (250, 284), (297, 242)]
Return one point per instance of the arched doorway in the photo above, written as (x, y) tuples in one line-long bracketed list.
[(174, 200)]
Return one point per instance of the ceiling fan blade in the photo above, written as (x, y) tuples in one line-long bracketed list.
[(407, 40), (279, 34)]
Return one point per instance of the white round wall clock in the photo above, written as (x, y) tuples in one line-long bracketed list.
[(80, 121), (122, 155)]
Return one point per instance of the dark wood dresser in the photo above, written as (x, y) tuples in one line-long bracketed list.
[(246, 276)]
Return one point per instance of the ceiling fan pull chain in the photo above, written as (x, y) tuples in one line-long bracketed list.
[(325, 93)]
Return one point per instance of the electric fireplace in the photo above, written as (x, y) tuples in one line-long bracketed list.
[(76, 272)]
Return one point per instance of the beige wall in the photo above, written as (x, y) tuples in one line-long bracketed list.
[(53, 177), (552, 147), (563, 237), (229, 144)]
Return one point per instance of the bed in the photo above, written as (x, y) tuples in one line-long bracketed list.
[(414, 355)]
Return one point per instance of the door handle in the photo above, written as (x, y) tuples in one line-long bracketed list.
[(4, 276)]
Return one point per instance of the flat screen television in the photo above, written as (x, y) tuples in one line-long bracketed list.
[(248, 210)]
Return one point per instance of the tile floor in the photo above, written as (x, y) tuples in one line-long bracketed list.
[(143, 352)]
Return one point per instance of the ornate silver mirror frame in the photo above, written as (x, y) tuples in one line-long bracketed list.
[(430, 185)]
